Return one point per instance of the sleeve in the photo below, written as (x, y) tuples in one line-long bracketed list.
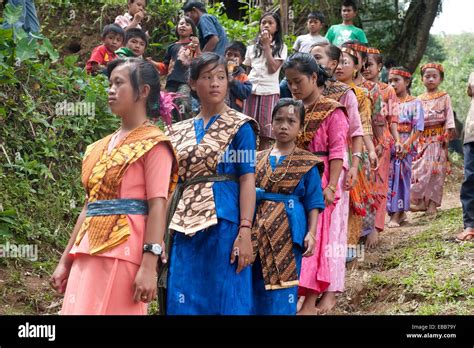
[(158, 166), (241, 89), (449, 113), (420, 116), (168, 54), (330, 35), (296, 46), (313, 198), (97, 56), (362, 37), (207, 27), (122, 21), (283, 54), (245, 143), (349, 100), (393, 105), (337, 128), (248, 57)]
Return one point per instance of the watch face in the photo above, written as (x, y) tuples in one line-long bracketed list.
[(156, 249)]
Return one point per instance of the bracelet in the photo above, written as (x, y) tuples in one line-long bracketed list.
[(357, 154), (312, 236), (244, 219), (332, 188), (241, 226)]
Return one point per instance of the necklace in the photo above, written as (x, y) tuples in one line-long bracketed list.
[(268, 166)]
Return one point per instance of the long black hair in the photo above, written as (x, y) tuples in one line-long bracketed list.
[(307, 65), (277, 38), (142, 73), (206, 59)]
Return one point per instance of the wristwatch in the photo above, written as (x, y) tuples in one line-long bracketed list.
[(155, 249)]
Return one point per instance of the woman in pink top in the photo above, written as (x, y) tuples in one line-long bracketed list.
[(128, 175), (325, 134)]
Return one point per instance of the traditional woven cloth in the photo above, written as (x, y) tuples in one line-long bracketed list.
[(335, 90), (315, 114), (272, 234), (102, 175), (196, 209)]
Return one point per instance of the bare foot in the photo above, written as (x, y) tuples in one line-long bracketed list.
[(309, 306), (327, 302), (418, 207), (299, 305), (467, 234), (394, 221), (372, 239), (403, 218), (431, 211)]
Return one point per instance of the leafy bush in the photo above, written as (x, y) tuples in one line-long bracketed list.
[(40, 141)]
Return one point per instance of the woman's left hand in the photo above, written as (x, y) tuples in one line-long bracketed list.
[(145, 280), (351, 178), (242, 249), (329, 196), (309, 243)]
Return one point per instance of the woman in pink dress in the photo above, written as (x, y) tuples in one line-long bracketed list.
[(328, 57), (431, 164), (109, 265), (325, 134)]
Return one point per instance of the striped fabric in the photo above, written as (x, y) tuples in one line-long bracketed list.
[(260, 108)]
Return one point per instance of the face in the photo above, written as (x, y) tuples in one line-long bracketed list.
[(184, 28), (348, 13), (268, 23), (113, 41), (137, 6), (345, 69), (121, 95), (286, 124), (372, 69), (319, 53), (137, 45), (431, 79), (194, 14), (399, 84), (314, 25), (301, 86), (233, 55), (211, 86)]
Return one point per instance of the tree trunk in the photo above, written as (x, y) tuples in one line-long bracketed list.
[(284, 16), (408, 50)]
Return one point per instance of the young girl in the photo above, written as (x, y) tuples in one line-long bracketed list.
[(265, 58), (288, 188), (328, 57), (361, 196), (431, 163), (176, 63), (134, 16), (212, 223), (410, 123), (109, 265), (325, 134), (385, 127)]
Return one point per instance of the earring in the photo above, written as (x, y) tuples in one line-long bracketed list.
[(354, 74)]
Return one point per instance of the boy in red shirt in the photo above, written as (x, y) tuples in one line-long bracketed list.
[(112, 38)]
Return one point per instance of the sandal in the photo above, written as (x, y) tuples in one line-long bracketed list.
[(466, 235)]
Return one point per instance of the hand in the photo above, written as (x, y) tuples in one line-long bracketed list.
[(145, 280), (58, 280), (242, 249), (374, 160), (379, 150), (265, 38), (351, 178), (309, 243), (163, 257), (329, 196), (398, 148), (139, 16)]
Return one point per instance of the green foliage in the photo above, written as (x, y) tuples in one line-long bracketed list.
[(40, 143)]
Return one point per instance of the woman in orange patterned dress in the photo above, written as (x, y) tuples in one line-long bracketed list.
[(109, 264)]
